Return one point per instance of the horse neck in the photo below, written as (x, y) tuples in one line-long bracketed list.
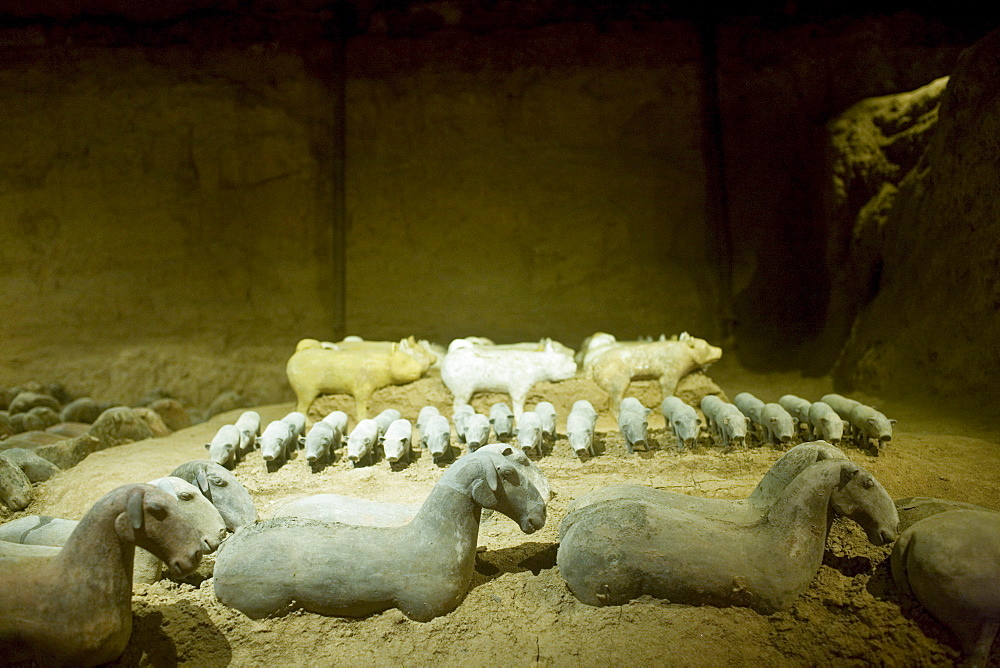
[(805, 500), (449, 517), (95, 551)]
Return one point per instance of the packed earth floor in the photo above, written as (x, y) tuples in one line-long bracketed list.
[(518, 610)]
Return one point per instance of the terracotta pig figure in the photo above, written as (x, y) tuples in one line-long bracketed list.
[(314, 370), (664, 361), (436, 437), (502, 421), (580, 428), (468, 369), (683, 420), (633, 422)]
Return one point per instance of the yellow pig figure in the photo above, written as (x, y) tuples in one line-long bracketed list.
[(316, 368), (666, 361)]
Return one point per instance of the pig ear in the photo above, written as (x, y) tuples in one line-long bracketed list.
[(508, 451), (133, 506), (482, 494), (208, 445), (892, 422)]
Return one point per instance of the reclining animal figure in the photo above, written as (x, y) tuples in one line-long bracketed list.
[(73, 606), (761, 552), (423, 568), (195, 508), (950, 562), (364, 512)]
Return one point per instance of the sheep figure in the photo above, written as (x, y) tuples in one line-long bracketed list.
[(423, 568), (73, 606)]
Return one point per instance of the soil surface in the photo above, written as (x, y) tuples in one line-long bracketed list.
[(518, 610)]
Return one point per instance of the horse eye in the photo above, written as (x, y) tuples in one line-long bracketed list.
[(185, 496), (157, 510), (219, 482)]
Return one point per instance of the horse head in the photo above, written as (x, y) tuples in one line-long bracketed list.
[(861, 497), (151, 519), (502, 487)]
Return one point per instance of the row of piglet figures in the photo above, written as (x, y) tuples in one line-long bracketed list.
[(782, 423)]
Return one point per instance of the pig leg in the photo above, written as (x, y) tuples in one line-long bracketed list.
[(668, 384), (518, 395), (461, 400), (306, 396)]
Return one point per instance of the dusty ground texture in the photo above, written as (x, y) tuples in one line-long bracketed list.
[(518, 610)]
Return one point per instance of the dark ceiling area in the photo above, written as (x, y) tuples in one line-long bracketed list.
[(304, 20)]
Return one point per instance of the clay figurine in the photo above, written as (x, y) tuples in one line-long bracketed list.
[(950, 562), (502, 421), (221, 487), (436, 437), (468, 369), (683, 420), (74, 606), (314, 370), (726, 420), (192, 505), (633, 422), (664, 361), (423, 568), (824, 422), (708, 551), (580, 428)]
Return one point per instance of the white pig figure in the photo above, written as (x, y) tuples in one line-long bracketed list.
[(277, 441), (297, 421), (338, 421), (249, 425), (584, 406), (319, 442), (426, 413), (223, 450), (684, 420), (436, 437), (529, 432), (477, 431), (633, 420), (386, 418), (502, 421), (824, 423), (547, 412), (460, 416), (396, 441), (467, 369), (580, 430), (361, 441)]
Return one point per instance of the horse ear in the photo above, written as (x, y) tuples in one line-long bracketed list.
[(133, 506), (203, 485), (492, 479), (482, 494), (847, 472)]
